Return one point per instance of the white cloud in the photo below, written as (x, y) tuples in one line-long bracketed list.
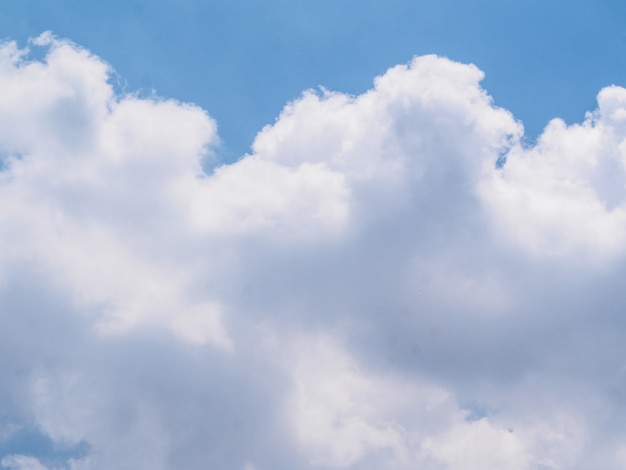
[(256, 196), (82, 199), (566, 195), (343, 415), (366, 289)]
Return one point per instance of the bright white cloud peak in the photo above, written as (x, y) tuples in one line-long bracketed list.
[(388, 281)]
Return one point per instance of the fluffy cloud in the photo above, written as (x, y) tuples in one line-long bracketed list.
[(390, 280), (566, 194)]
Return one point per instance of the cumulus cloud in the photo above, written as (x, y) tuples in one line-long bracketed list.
[(566, 194), (389, 280)]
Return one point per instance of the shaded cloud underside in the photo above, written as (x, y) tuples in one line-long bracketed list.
[(367, 289)]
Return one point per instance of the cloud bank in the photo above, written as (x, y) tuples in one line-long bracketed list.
[(394, 280)]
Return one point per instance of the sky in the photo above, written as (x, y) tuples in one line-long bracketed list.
[(244, 60), (312, 235)]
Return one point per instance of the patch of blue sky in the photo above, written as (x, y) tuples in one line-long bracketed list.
[(6, 158), (476, 411), (31, 442), (242, 60)]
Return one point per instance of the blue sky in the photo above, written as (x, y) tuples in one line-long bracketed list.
[(312, 235), (243, 60)]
